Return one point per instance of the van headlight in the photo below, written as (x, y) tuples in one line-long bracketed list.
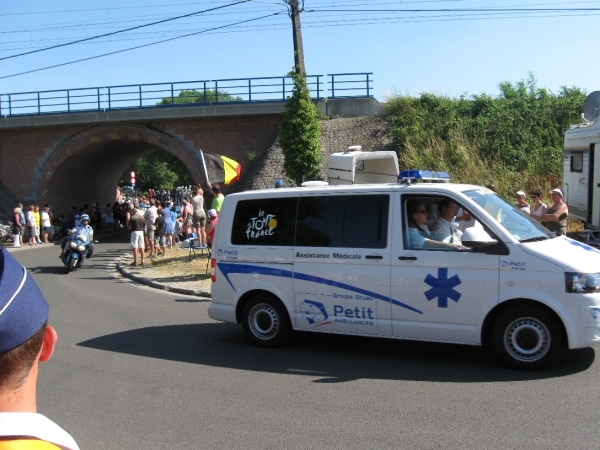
[(579, 283)]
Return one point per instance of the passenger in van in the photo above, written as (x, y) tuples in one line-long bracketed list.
[(443, 229), (418, 234)]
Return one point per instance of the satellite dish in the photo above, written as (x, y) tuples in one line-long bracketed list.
[(591, 106)]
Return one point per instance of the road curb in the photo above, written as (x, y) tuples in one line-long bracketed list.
[(156, 285)]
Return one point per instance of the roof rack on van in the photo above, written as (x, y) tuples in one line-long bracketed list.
[(423, 176)]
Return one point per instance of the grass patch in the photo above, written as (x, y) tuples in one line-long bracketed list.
[(177, 263)]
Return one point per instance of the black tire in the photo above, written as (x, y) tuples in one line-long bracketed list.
[(528, 337), (266, 321), (70, 265)]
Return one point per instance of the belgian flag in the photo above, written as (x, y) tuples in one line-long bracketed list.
[(219, 169)]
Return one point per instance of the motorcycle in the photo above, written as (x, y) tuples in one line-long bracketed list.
[(75, 251)]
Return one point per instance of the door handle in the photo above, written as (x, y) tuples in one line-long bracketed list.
[(407, 258), (373, 257)]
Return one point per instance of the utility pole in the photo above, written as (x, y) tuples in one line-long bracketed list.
[(294, 11)]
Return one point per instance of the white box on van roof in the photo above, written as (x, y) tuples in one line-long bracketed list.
[(357, 167)]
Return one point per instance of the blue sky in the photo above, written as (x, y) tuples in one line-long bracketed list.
[(444, 52)]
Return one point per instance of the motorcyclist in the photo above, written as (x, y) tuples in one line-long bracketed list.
[(83, 228)]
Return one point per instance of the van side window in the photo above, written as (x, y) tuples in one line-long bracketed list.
[(353, 221), (268, 222), (435, 223)]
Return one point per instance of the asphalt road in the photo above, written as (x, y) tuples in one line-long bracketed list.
[(140, 368)]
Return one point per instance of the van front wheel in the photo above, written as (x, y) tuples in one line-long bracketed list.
[(266, 322), (527, 338)]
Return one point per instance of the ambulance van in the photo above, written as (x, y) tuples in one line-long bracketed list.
[(380, 260)]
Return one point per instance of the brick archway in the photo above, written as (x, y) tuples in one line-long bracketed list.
[(85, 167)]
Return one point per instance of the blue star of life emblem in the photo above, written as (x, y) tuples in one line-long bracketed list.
[(442, 288)]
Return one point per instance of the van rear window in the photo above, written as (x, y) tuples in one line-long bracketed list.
[(268, 222), (353, 221)]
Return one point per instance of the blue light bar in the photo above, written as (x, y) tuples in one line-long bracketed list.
[(424, 176)]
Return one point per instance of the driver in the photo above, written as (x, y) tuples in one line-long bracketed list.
[(83, 228)]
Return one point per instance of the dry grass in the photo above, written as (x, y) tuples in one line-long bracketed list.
[(575, 226), (177, 263)]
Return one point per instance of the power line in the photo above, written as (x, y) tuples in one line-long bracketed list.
[(89, 24), (122, 31), (106, 9), (339, 21), (458, 10), (107, 21), (135, 48)]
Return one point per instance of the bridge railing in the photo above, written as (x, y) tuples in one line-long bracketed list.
[(182, 93)]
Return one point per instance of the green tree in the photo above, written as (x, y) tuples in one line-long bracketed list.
[(158, 169), (299, 134), (196, 96)]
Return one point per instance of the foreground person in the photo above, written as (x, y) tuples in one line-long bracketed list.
[(26, 339)]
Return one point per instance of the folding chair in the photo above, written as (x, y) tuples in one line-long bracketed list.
[(194, 246)]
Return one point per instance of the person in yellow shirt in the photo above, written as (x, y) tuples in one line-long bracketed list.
[(36, 214)]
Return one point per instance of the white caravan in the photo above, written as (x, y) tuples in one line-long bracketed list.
[(581, 174)]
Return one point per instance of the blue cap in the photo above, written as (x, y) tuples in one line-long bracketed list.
[(23, 308)]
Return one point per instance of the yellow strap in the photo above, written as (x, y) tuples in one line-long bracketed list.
[(27, 444)]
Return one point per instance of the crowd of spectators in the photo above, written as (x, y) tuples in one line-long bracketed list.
[(38, 226), (155, 222)]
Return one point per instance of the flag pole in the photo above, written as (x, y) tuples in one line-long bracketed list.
[(204, 165)]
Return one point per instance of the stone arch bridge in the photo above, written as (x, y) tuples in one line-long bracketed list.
[(76, 158), (72, 159)]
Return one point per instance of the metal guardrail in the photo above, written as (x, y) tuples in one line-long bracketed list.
[(182, 93)]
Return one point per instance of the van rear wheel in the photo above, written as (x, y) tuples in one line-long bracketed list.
[(266, 321), (527, 338)]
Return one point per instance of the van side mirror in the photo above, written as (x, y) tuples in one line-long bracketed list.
[(476, 237)]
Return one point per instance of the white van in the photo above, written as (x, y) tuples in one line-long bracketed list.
[(358, 259)]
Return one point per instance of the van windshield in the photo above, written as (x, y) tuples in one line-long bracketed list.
[(515, 221)]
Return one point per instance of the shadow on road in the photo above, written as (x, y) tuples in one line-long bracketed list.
[(100, 260), (330, 358)]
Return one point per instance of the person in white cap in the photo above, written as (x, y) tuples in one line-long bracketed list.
[(521, 203), (556, 215), (26, 339)]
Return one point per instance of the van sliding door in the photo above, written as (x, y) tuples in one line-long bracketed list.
[(342, 264)]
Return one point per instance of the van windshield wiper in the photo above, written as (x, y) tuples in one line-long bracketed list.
[(534, 239)]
